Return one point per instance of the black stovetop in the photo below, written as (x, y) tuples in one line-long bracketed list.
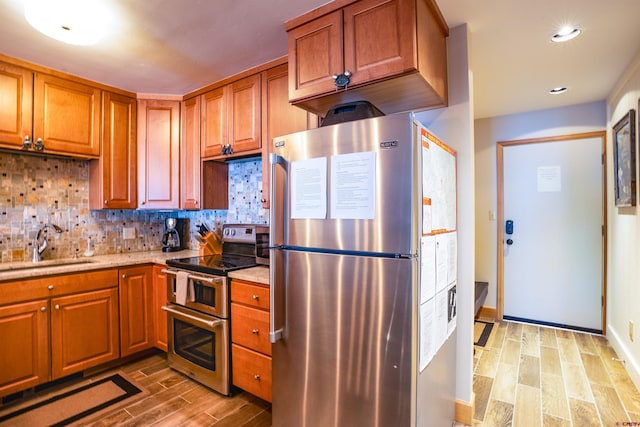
[(213, 264)]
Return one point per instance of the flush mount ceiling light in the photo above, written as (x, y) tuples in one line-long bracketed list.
[(565, 34), (558, 90), (78, 22)]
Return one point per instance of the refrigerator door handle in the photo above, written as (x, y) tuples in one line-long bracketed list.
[(276, 239), (276, 216)]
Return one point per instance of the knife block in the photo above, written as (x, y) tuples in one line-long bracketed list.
[(212, 245)]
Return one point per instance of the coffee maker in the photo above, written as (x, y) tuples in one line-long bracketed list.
[(175, 230)]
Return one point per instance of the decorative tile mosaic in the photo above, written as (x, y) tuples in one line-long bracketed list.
[(36, 190)]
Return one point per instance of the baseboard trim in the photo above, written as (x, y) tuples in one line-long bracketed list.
[(623, 352), (488, 312), (464, 411)]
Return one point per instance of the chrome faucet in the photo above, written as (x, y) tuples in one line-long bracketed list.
[(41, 243)]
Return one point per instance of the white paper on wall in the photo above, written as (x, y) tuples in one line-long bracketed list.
[(427, 333), (428, 268), (441, 322), (442, 261), (353, 186), (452, 257), (309, 189)]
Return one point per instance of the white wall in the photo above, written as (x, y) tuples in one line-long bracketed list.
[(551, 122), (454, 125), (623, 227)]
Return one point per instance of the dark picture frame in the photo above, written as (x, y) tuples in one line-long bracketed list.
[(624, 160)]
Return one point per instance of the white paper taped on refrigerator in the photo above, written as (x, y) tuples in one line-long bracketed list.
[(309, 188)]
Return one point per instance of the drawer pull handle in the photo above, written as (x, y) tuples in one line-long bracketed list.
[(43, 309), (255, 331), (255, 297), (50, 287), (256, 377)]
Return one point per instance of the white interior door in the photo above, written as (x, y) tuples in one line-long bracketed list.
[(553, 259)]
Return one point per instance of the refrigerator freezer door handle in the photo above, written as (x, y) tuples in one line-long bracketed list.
[(276, 218)]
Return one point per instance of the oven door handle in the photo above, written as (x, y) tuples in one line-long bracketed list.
[(194, 277), (209, 323)]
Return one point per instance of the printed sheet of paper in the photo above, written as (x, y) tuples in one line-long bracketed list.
[(549, 179), (427, 333), (442, 261), (442, 320), (452, 257), (428, 268), (309, 189), (353, 186)]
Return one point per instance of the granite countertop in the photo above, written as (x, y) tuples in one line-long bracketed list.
[(259, 274), (27, 270)]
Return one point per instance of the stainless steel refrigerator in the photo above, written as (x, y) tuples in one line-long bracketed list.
[(346, 224)]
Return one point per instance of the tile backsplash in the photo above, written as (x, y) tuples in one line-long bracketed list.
[(36, 190)]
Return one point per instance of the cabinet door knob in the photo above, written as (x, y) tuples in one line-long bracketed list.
[(26, 144), (255, 331), (39, 145), (256, 377), (106, 202), (57, 307), (263, 200), (50, 287), (255, 297), (124, 276), (43, 309)]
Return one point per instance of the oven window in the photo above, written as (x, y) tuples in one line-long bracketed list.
[(195, 344), (204, 294)]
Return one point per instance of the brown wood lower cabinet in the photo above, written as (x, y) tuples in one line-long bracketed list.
[(24, 355), (55, 326), (159, 315), (250, 349), (136, 302), (84, 331)]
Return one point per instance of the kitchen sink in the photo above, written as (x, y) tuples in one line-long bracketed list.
[(42, 264)]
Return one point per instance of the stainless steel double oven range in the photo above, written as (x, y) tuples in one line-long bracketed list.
[(199, 310)]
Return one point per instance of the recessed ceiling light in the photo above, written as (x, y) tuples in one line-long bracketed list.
[(78, 22), (557, 90), (565, 34)]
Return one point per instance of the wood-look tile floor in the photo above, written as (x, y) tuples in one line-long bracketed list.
[(529, 375), (176, 400)]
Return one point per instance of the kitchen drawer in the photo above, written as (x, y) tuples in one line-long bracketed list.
[(250, 294), (52, 286), (251, 371), (250, 328)]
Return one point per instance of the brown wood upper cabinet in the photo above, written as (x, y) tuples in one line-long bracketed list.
[(190, 167), (113, 177), (16, 108), (158, 154), (278, 118), (394, 50), (48, 114), (66, 115), (230, 119)]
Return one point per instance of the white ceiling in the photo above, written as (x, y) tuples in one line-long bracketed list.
[(177, 46)]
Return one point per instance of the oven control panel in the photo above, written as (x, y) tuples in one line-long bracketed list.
[(243, 233)]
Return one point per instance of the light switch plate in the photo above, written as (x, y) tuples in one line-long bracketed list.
[(128, 233)]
